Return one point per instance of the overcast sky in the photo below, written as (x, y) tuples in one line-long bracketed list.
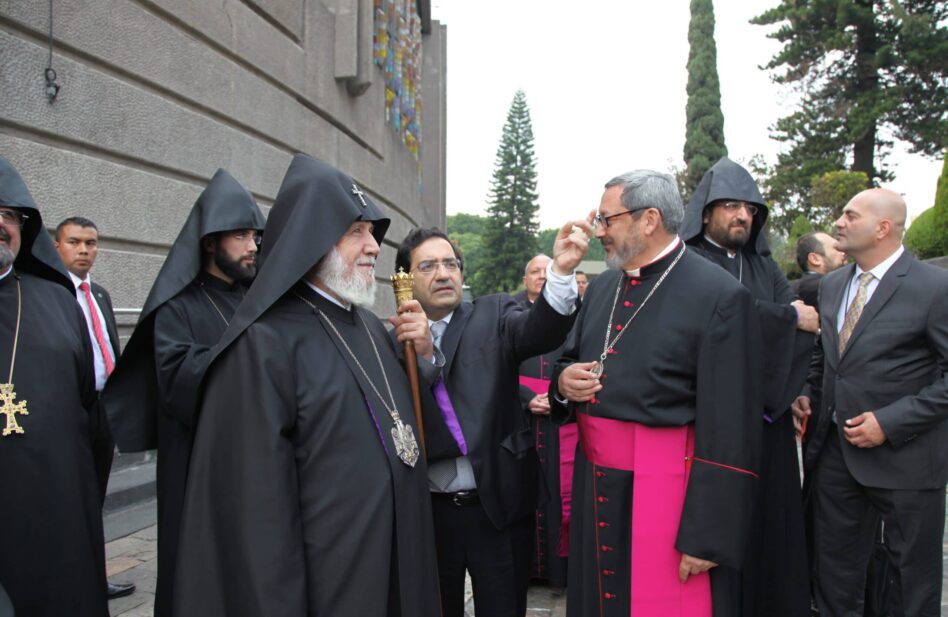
[(605, 83)]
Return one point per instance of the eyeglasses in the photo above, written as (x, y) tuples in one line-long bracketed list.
[(734, 206), (244, 236), (430, 265), (604, 220), (12, 218)]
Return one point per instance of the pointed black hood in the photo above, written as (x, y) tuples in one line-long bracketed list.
[(223, 206), (131, 392), (37, 255), (316, 204), (726, 180)]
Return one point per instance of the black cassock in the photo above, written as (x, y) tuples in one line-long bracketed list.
[(546, 563), (186, 329), (776, 581), (776, 576), (690, 356), (52, 559), (296, 501)]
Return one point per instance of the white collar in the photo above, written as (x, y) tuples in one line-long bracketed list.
[(326, 295), (665, 251), (731, 254), (76, 281), (4, 275), (446, 319), (879, 271)]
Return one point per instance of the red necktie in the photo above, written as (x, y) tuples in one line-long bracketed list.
[(97, 328)]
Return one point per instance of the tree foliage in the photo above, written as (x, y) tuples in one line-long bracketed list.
[(510, 237), (704, 128), (467, 232), (829, 194), (865, 70), (548, 236), (928, 235)]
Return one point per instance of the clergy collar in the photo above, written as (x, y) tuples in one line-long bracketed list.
[(7, 273), (326, 295), (637, 272), (731, 254), (209, 280)]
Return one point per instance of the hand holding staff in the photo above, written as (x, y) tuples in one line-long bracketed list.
[(411, 328)]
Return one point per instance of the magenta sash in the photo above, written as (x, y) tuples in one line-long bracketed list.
[(568, 437), (659, 457)]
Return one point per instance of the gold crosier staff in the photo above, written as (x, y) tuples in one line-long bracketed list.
[(402, 284)]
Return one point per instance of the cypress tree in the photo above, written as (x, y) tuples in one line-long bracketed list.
[(704, 131)]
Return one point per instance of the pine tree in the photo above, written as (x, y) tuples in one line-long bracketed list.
[(704, 131), (865, 69), (510, 239)]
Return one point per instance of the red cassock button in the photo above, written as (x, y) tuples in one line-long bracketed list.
[(626, 303), (612, 351), (609, 596), (603, 524), (600, 474), (602, 499), (619, 327)]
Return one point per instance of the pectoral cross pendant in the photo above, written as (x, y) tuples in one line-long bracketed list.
[(406, 447), (10, 409), (597, 370)]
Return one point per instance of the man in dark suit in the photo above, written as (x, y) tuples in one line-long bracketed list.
[(817, 255), (482, 464), (879, 379), (77, 241)]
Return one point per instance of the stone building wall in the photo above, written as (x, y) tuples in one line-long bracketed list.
[(157, 94)]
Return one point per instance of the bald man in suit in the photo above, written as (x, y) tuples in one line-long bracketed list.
[(880, 381)]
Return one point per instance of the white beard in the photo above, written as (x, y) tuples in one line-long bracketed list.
[(345, 282)]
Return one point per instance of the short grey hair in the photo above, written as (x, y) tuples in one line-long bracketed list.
[(645, 188)]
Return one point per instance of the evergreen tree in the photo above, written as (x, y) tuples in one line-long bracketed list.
[(467, 232), (510, 238), (865, 69), (704, 129), (928, 235)]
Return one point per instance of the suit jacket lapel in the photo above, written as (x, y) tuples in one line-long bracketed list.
[(887, 286), (452, 336)]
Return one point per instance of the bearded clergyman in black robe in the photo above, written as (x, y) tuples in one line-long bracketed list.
[(52, 560), (725, 222), (661, 375), (151, 396), (307, 493)]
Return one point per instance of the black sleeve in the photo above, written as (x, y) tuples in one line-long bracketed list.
[(180, 362)]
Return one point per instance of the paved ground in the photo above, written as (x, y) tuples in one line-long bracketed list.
[(133, 559)]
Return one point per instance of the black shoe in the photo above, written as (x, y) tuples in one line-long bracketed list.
[(117, 591)]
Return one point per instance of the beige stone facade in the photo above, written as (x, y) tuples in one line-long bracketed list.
[(157, 94)]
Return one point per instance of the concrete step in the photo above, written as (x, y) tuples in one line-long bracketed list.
[(130, 483), (128, 520)]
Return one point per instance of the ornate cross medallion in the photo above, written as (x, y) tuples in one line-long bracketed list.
[(358, 193), (10, 409), (405, 445)]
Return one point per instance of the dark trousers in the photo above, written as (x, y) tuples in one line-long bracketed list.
[(845, 523), (498, 560)]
